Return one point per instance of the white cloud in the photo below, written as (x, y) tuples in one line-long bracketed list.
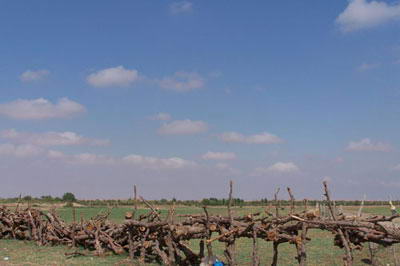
[(182, 82), (227, 169), (279, 167), (262, 138), (157, 163), (183, 127), (114, 76), (222, 166), (284, 167), (338, 160), (180, 7), (367, 145), (34, 75), (362, 14), (55, 154), (81, 158), (28, 150), (51, 138), (219, 156), (133, 160), (140, 161), (20, 151), (365, 66), (161, 116), (90, 158), (40, 108), (396, 168)]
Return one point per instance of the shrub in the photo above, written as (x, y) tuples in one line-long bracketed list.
[(68, 197)]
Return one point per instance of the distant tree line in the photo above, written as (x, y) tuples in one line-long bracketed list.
[(69, 197)]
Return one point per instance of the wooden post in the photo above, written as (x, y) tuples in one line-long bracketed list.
[(230, 246), (301, 247), (209, 246), (256, 259), (134, 201), (291, 200), (359, 213), (19, 201), (348, 258), (230, 200), (276, 252), (276, 202), (130, 233), (73, 226)]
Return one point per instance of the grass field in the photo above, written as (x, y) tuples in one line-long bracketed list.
[(320, 249)]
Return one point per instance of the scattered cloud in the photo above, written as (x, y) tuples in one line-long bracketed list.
[(50, 138), (55, 154), (91, 158), (227, 169), (157, 163), (262, 138), (222, 166), (396, 168), (161, 116), (140, 161), (338, 160), (183, 81), (180, 7), (365, 66), (283, 167), (279, 167), (19, 151), (183, 127), (113, 77), (219, 156), (22, 151), (367, 145), (362, 14), (34, 75), (81, 158), (40, 108)]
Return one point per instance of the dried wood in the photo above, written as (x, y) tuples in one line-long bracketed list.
[(165, 241)]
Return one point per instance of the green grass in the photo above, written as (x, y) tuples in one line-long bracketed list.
[(16, 252), (117, 214), (320, 249)]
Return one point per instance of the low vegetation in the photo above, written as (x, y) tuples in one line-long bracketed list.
[(235, 235)]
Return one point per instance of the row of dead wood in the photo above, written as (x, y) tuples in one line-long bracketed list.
[(152, 238)]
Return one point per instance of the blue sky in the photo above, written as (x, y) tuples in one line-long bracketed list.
[(181, 96)]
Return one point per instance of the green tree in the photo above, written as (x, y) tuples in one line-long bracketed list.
[(27, 198), (69, 197), (47, 198)]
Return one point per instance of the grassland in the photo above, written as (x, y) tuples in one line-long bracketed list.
[(320, 249)]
